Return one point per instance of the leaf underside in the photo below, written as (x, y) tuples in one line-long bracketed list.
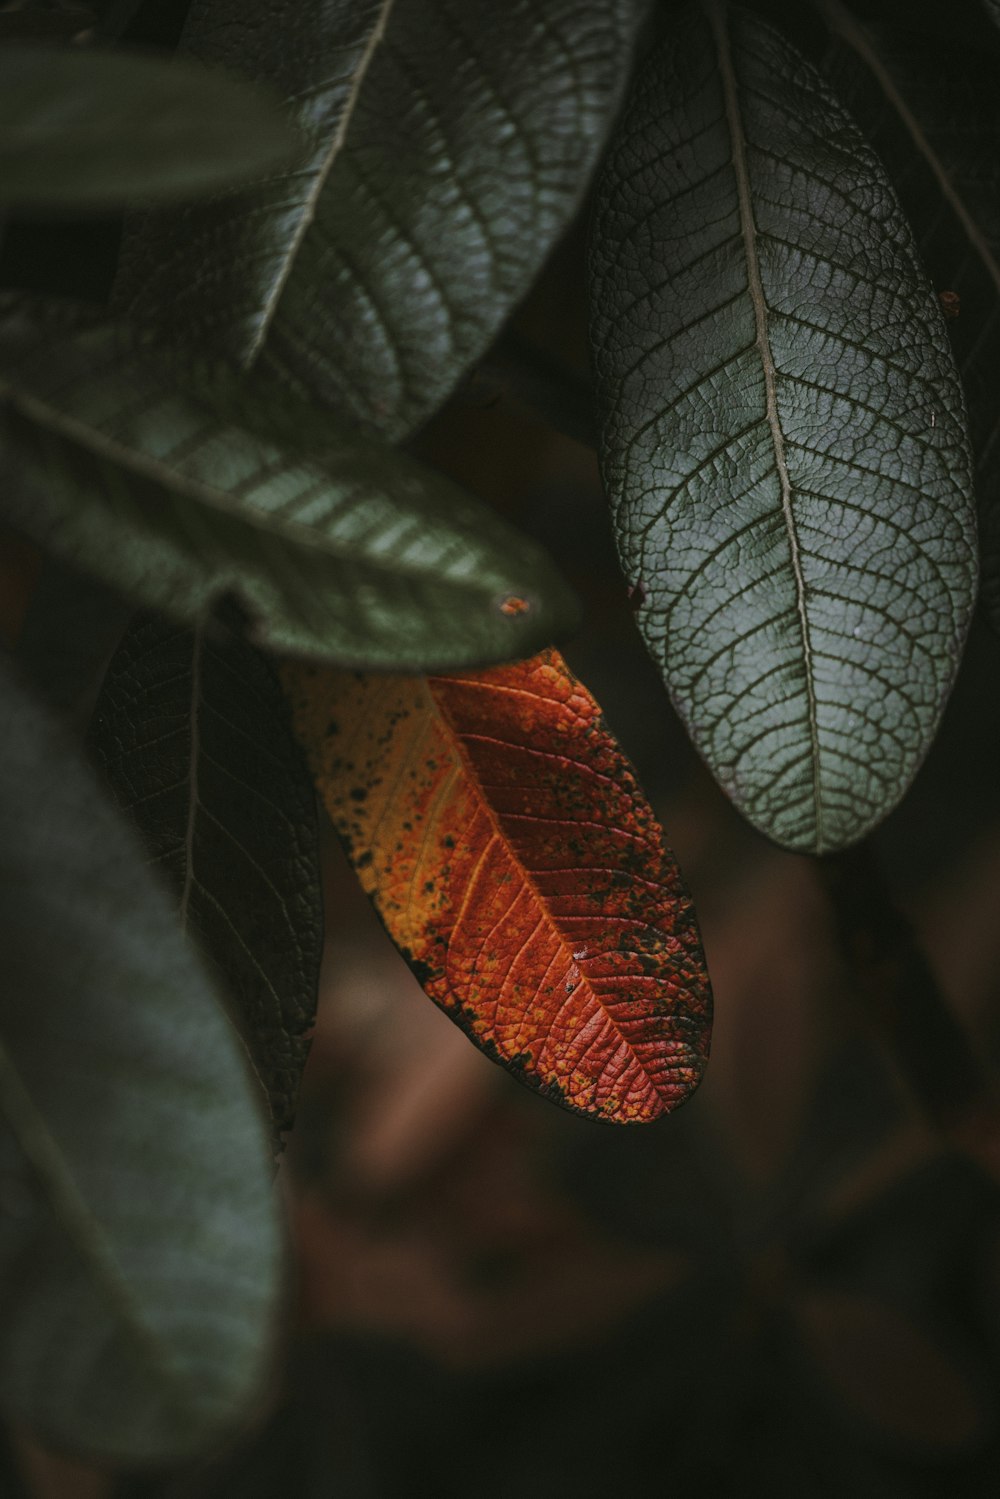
[(84, 128), (359, 555), (192, 733), (502, 836), (451, 145), (783, 432), (139, 1246), (926, 96)]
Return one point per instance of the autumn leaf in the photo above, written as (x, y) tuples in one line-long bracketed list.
[(503, 838)]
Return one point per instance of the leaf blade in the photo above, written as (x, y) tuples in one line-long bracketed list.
[(448, 175), (358, 554), (511, 855), (86, 128), (926, 99), (191, 734), (813, 690), (140, 1273)]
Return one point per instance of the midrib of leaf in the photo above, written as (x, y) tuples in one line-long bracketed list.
[(843, 24), (84, 1232), (716, 10), (495, 822), (319, 182), (132, 461), (194, 727)]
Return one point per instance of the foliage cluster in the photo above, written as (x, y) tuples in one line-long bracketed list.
[(253, 590)]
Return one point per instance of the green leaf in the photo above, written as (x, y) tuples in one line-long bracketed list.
[(451, 144), (85, 128), (783, 432), (140, 1245), (192, 732), (925, 94), (71, 629), (359, 556)]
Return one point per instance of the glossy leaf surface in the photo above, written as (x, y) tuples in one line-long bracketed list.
[(88, 128), (516, 864), (140, 1245), (359, 554), (783, 432), (192, 733), (925, 94), (451, 145)]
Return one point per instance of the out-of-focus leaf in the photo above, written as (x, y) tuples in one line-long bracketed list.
[(87, 128), (519, 869), (139, 1246), (72, 627), (783, 432), (360, 555), (925, 94), (890, 1371), (35, 24), (192, 732), (451, 143)]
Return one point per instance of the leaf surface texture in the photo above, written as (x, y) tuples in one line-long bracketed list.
[(192, 733), (502, 836), (925, 93), (451, 144), (140, 1247), (88, 128), (783, 432), (356, 554)]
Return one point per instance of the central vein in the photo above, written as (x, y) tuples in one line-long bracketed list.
[(717, 17)]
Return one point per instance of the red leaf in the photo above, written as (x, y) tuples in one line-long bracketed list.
[(516, 864)]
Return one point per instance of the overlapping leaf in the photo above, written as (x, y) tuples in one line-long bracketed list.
[(451, 144), (783, 432), (925, 93), (139, 1245), (191, 731), (359, 555), (509, 851), (87, 128)]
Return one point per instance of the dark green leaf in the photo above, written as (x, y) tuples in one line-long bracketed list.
[(88, 128), (192, 732), (139, 1246), (71, 629), (925, 93), (784, 438), (451, 144), (364, 557), (35, 24)]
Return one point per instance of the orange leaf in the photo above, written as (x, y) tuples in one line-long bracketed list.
[(505, 842)]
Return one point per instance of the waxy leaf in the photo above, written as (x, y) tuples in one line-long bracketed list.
[(358, 555), (925, 94), (451, 144), (192, 733), (516, 864), (783, 432), (84, 128), (139, 1242)]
